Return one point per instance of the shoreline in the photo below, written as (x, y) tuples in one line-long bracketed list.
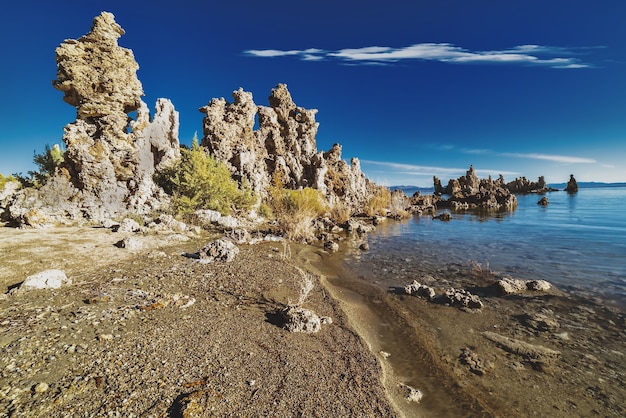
[(587, 333), (136, 327)]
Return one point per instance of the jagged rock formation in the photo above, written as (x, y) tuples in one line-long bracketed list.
[(521, 185), (283, 143), (110, 158), (572, 185), (468, 192)]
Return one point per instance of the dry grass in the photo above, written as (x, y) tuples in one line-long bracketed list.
[(379, 202), (306, 286)]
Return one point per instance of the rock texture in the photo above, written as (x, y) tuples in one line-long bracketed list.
[(521, 185), (572, 185), (468, 192), (284, 145), (110, 158)]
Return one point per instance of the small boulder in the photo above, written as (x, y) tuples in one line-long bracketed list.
[(218, 250), (130, 243), (445, 216), (298, 319), (331, 246), (538, 285), (419, 290), (461, 298), (127, 225), (48, 279), (543, 201), (508, 286)]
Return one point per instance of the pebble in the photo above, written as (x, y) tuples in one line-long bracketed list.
[(41, 387)]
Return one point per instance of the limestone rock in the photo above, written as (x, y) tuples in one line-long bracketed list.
[(127, 225), (47, 279), (130, 243), (572, 185), (543, 201), (419, 290), (298, 319), (469, 192), (283, 145), (508, 286), (521, 185), (110, 159), (461, 298), (218, 250)]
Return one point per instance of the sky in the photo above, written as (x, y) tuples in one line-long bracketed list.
[(413, 88)]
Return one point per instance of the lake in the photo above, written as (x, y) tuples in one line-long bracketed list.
[(577, 242)]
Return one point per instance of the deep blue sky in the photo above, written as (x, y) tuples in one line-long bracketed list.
[(413, 88)]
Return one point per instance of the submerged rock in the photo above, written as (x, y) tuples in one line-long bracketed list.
[(419, 290)]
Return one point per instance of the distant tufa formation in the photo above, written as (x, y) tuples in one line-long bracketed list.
[(110, 158), (468, 192), (284, 145)]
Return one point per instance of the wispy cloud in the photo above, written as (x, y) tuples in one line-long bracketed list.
[(556, 158), (567, 159), (528, 55), (411, 169)]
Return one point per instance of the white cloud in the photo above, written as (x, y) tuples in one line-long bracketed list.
[(535, 55), (556, 158), (450, 172)]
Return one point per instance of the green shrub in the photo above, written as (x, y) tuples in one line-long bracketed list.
[(5, 180), (198, 181), (47, 163)]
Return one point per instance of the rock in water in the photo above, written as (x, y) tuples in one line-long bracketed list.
[(572, 185), (110, 159)]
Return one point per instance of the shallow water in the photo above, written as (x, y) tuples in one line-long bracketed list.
[(577, 242)]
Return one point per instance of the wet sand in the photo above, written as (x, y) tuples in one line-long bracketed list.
[(425, 343)]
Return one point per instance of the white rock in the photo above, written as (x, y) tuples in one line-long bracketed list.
[(228, 222), (48, 279)]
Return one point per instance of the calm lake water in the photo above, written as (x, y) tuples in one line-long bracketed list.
[(577, 242)]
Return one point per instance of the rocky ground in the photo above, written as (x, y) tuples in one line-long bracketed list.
[(152, 333)]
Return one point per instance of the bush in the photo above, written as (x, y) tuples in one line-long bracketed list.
[(5, 180), (47, 163), (295, 210), (198, 181)]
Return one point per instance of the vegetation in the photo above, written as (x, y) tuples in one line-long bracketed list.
[(198, 181), (295, 210), (379, 203), (5, 180), (47, 163)]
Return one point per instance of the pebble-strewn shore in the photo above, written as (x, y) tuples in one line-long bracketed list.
[(158, 334)]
